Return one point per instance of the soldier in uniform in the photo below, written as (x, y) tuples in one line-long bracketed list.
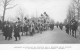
[(74, 26), (41, 28), (67, 28), (36, 28), (10, 30), (51, 26), (61, 26), (7, 31), (57, 25), (16, 32), (4, 30), (26, 28), (32, 29)]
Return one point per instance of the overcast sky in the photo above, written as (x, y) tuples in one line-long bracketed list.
[(56, 9)]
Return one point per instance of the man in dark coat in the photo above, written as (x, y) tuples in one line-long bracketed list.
[(57, 25), (32, 29), (61, 26), (26, 27), (74, 26), (10, 30), (7, 31), (51, 26), (16, 32), (4, 30), (67, 28)]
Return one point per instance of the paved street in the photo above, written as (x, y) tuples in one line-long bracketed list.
[(47, 37)]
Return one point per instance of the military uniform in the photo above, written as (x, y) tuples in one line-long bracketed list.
[(16, 32), (61, 26), (74, 26), (5, 31), (26, 28), (51, 26), (9, 30), (32, 29), (67, 28)]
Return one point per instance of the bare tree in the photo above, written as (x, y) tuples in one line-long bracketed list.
[(69, 15), (20, 14), (5, 4), (72, 11), (77, 8)]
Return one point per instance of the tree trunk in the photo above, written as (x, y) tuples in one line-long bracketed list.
[(78, 10), (4, 10), (3, 15)]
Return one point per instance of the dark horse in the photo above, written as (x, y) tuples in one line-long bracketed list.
[(73, 27)]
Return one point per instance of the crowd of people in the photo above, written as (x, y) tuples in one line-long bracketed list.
[(72, 27), (29, 27)]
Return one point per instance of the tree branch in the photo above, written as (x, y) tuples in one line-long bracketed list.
[(8, 1), (11, 7)]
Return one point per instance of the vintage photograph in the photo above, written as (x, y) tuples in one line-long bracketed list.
[(39, 21)]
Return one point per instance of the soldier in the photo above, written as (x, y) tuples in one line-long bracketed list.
[(26, 28), (36, 28), (74, 26), (41, 28), (16, 32), (21, 29), (61, 26), (4, 30), (57, 25), (32, 29), (67, 28), (51, 26), (10, 30)]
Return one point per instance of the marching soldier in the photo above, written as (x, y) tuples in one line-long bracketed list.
[(32, 29), (5, 31), (36, 28), (16, 32), (61, 26), (9, 30), (51, 26), (57, 25), (67, 28), (74, 26), (26, 28), (41, 28)]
